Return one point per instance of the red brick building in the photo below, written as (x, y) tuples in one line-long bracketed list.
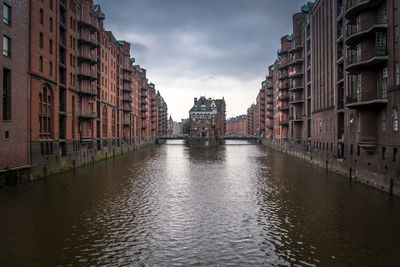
[(207, 118), (237, 125), (14, 111), (333, 92), (84, 98)]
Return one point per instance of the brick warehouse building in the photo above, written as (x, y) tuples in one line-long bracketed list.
[(84, 97), (207, 118), (339, 105), (237, 125)]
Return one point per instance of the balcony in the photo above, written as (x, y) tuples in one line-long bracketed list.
[(84, 39), (88, 23), (296, 100), (87, 115), (296, 61), (296, 119), (354, 7), (283, 77), (127, 79), (283, 98), (295, 45), (365, 28), (87, 57), (283, 109), (127, 69), (87, 74), (270, 94), (127, 108), (296, 87), (295, 74), (283, 123), (281, 52), (283, 87), (270, 101), (86, 90), (270, 109), (284, 65), (126, 89), (127, 99), (269, 77), (270, 116), (359, 101), (372, 58)]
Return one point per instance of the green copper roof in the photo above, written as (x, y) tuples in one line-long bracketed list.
[(280, 58), (203, 106), (121, 42), (213, 105), (151, 86), (133, 60), (289, 37), (102, 15), (140, 70), (272, 68), (263, 83), (305, 8)]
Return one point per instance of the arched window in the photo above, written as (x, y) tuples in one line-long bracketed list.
[(395, 118), (104, 121), (45, 113), (113, 122)]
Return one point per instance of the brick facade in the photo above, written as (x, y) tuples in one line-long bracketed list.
[(86, 98)]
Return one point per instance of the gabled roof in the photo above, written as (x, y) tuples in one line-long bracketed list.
[(203, 104)]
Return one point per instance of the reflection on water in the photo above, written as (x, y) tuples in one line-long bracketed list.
[(236, 204)]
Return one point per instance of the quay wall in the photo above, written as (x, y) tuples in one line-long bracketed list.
[(380, 176), (47, 161)]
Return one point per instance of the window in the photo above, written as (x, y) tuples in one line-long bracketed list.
[(358, 122), (358, 51), (104, 122), (51, 4), (41, 40), (45, 113), (6, 94), (51, 68), (396, 33), (383, 119), (6, 14), (41, 63), (41, 16), (395, 152), (395, 120), (51, 46), (384, 82), (6, 46), (51, 24), (358, 87), (397, 74)]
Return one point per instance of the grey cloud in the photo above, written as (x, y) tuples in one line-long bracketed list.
[(196, 39)]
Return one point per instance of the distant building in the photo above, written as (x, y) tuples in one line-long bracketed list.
[(207, 118), (237, 125)]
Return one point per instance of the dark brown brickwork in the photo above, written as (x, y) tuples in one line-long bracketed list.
[(83, 98), (14, 116), (343, 92)]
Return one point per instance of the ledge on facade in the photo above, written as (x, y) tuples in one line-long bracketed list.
[(296, 61), (87, 115), (296, 119), (377, 60), (356, 36), (369, 147), (295, 75), (354, 7), (297, 88), (90, 75), (128, 70), (126, 89), (83, 23), (356, 104), (296, 101)]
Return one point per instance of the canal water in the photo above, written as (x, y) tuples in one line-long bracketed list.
[(238, 204)]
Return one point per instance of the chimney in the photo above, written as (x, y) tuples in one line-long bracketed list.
[(195, 100)]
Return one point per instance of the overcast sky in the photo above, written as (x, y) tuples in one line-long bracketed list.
[(215, 48)]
